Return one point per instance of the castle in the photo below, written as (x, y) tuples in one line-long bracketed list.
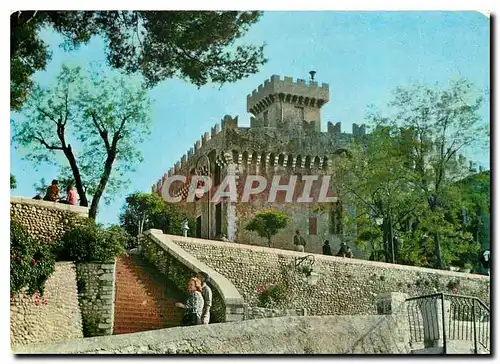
[(284, 139)]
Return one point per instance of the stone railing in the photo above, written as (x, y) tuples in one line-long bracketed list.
[(46, 221), (179, 266), (96, 291)]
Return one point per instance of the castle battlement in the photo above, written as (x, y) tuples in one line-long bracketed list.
[(288, 90)]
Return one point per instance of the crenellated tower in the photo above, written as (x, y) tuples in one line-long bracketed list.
[(288, 104)]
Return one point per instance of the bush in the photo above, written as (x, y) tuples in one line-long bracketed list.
[(274, 294), (31, 262), (92, 243)]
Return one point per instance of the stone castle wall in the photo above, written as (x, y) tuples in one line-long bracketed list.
[(57, 318), (96, 286), (345, 286), (46, 221)]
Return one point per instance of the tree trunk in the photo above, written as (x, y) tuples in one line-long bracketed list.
[(391, 240), (102, 185), (433, 201), (68, 152), (437, 251), (385, 239)]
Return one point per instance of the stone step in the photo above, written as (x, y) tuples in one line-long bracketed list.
[(142, 299)]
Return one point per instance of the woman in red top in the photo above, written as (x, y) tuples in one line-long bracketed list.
[(72, 196)]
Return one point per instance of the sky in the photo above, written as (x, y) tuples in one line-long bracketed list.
[(363, 56)]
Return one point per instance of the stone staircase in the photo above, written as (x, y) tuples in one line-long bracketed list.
[(144, 299)]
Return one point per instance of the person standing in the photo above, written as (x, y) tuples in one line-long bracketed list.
[(299, 242), (185, 227), (206, 292), (194, 304), (327, 249)]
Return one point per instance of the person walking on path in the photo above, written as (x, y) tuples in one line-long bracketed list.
[(194, 304), (299, 242), (327, 249)]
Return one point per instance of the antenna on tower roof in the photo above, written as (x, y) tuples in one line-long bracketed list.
[(312, 73)]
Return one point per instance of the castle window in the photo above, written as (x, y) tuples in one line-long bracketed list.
[(266, 118), (313, 225)]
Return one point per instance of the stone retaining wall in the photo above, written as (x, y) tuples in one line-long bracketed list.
[(96, 291), (46, 221), (279, 335), (57, 318), (252, 313), (345, 286)]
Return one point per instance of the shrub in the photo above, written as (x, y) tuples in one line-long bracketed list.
[(31, 262), (91, 242), (268, 223), (273, 294)]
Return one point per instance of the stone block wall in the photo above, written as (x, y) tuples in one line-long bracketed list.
[(345, 286), (96, 291), (46, 221), (57, 318), (252, 313)]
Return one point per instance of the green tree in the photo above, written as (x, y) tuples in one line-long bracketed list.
[(96, 121), (443, 122), (198, 46), (267, 224), (13, 182), (144, 211), (373, 176)]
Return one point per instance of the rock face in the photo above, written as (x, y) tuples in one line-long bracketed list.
[(344, 287), (44, 220), (56, 316), (96, 286)]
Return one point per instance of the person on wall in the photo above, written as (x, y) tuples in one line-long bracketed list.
[(206, 292), (71, 196), (52, 191), (193, 307)]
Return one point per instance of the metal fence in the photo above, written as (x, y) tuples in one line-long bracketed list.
[(440, 317)]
